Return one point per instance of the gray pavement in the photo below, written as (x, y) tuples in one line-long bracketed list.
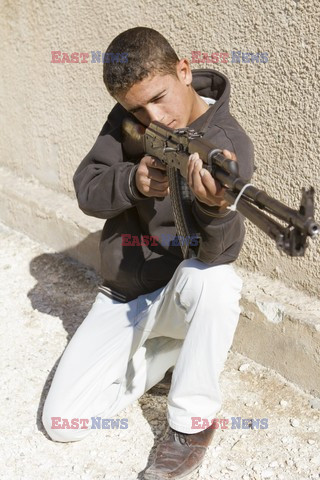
[(44, 296)]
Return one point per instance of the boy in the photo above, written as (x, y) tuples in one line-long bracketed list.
[(155, 310)]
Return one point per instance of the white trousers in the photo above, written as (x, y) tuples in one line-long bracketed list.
[(121, 350)]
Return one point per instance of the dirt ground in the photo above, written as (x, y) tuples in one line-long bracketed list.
[(44, 297)]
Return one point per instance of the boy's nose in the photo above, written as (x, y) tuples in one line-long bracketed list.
[(155, 116)]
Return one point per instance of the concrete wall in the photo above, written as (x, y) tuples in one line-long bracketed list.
[(52, 113)]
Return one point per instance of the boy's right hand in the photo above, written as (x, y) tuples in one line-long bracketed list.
[(151, 178)]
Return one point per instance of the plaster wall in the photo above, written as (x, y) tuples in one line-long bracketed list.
[(52, 113)]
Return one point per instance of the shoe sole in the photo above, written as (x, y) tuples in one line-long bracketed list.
[(181, 477)]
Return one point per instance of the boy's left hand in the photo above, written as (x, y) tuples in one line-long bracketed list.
[(204, 186)]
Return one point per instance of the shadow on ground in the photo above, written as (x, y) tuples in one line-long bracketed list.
[(66, 289)]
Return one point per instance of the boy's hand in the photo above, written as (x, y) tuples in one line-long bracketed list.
[(151, 178), (204, 186)]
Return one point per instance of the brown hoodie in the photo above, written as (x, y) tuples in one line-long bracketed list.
[(104, 185)]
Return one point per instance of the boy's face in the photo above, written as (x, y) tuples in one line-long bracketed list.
[(164, 98)]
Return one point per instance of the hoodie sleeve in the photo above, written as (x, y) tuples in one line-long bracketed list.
[(222, 234), (104, 182)]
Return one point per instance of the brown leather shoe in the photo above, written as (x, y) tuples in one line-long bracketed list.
[(179, 454)]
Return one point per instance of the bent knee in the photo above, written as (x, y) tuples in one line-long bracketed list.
[(194, 274), (197, 282), (64, 428)]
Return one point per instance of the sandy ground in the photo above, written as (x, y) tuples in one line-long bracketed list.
[(44, 297)]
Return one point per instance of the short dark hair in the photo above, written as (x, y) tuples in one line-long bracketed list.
[(146, 51)]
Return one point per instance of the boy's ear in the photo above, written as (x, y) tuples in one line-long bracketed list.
[(184, 71)]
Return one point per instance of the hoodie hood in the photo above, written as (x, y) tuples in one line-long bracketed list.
[(212, 84)]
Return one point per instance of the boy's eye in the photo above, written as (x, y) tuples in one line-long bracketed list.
[(137, 110), (156, 99)]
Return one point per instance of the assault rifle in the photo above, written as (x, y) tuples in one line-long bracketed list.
[(173, 147)]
